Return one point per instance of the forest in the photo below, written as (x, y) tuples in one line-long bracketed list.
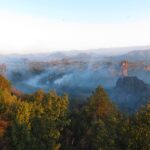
[(47, 121)]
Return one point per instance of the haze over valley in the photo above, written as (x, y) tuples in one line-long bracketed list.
[(77, 73)]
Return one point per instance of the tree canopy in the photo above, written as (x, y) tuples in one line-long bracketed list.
[(43, 121)]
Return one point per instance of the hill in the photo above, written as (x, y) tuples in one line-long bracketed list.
[(130, 93)]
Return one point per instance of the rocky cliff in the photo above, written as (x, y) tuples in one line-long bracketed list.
[(130, 93)]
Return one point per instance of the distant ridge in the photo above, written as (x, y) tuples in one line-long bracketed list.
[(103, 51)]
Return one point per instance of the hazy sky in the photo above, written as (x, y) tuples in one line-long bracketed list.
[(47, 25)]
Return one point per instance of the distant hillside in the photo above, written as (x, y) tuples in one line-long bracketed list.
[(130, 93), (74, 72), (137, 55)]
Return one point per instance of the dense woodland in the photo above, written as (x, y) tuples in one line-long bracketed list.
[(46, 121)]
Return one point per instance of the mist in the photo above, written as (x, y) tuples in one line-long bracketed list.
[(77, 73)]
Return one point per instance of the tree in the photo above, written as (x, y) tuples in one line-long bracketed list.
[(94, 126), (37, 124), (19, 132), (140, 130), (4, 83), (48, 121), (102, 117)]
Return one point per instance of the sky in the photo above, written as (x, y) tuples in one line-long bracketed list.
[(31, 26)]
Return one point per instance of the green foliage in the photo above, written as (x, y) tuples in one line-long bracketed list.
[(4, 83), (102, 119), (41, 121), (48, 120), (99, 105), (6, 102), (140, 130), (34, 124), (95, 125), (19, 131)]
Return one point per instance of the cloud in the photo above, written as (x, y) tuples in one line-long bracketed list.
[(26, 34)]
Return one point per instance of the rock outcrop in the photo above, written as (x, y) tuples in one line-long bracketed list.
[(130, 93)]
